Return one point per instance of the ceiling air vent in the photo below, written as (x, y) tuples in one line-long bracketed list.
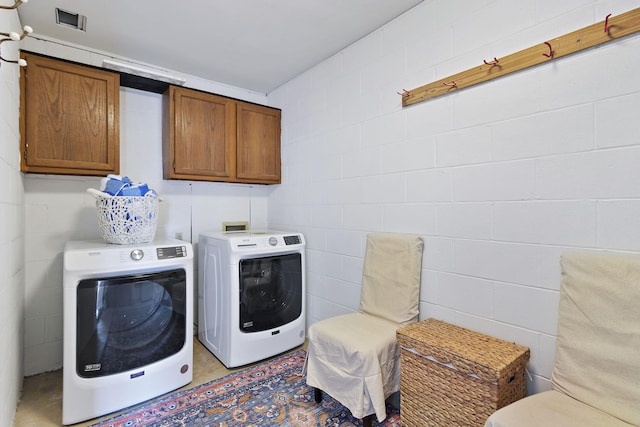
[(71, 20)]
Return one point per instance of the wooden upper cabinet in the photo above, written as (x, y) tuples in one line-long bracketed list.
[(213, 138), (69, 118), (258, 143), (198, 136)]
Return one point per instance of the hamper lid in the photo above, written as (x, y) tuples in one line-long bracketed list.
[(467, 350)]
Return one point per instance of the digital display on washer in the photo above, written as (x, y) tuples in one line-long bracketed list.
[(171, 252), (292, 240)]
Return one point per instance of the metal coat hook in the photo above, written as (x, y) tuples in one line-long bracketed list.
[(492, 63), (403, 93), (451, 84), (550, 54), (606, 24), (26, 30), (13, 36), (21, 62), (17, 3)]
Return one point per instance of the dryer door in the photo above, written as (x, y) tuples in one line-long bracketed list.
[(129, 321), (270, 291)]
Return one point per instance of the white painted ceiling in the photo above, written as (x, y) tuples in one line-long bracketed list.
[(253, 44)]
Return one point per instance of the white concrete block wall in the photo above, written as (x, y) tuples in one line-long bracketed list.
[(58, 209), (11, 228), (500, 179)]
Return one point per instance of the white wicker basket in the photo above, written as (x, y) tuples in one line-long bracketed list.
[(126, 219)]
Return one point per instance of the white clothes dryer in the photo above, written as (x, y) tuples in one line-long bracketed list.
[(251, 294), (128, 324)]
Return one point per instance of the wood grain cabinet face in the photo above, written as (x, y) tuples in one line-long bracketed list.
[(198, 135), (258, 143), (69, 118), (213, 138)]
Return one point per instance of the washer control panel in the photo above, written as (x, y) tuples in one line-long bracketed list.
[(171, 252), (137, 254), (262, 240)]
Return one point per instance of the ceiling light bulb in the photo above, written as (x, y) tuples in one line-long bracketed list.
[(22, 62), (14, 35), (27, 29)]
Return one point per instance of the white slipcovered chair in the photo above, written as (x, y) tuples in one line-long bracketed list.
[(596, 375), (355, 357)]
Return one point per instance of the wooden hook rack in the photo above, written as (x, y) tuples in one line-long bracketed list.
[(612, 28)]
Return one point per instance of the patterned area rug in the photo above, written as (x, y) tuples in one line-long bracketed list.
[(270, 394)]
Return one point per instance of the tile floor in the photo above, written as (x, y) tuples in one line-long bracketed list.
[(41, 402)]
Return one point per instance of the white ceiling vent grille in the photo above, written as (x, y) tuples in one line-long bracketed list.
[(71, 20)]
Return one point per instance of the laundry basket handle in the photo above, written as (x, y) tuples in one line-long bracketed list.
[(97, 193)]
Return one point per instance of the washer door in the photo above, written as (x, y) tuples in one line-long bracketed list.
[(270, 291), (126, 322)]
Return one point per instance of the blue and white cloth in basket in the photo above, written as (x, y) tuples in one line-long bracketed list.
[(116, 185), (127, 211)]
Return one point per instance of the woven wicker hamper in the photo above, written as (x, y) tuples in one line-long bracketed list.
[(451, 376)]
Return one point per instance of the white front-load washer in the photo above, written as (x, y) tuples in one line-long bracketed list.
[(128, 324), (251, 294)]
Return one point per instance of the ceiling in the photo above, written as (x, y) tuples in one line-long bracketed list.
[(252, 44)]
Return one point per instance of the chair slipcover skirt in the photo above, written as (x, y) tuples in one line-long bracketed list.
[(358, 365)]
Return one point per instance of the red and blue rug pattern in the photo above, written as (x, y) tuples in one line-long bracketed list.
[(270, 394)]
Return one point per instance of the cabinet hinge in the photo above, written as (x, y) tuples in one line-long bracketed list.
[(26, 147)]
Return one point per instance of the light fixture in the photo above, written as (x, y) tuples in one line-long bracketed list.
[(142, 71)]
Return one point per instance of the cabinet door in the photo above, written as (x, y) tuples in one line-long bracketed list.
[(258, 145), (199, 143), (69, 119)]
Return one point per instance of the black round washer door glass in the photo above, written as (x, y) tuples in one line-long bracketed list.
[(126, 322), (270, 291)]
